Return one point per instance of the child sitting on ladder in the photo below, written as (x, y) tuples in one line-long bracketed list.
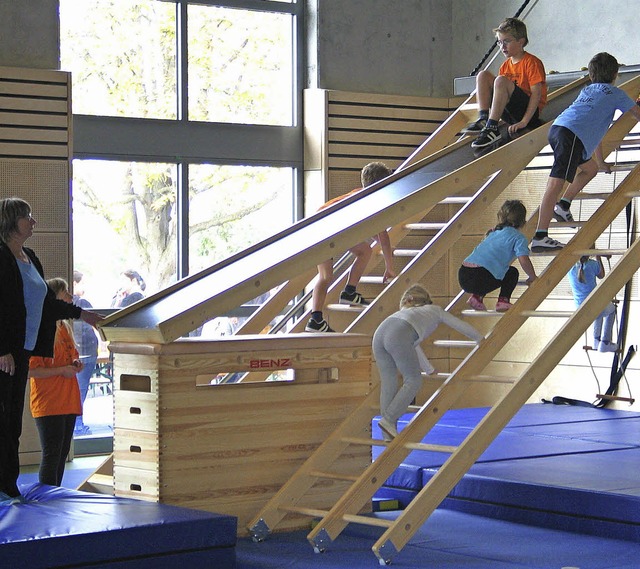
[(488, 267), (582, 277)]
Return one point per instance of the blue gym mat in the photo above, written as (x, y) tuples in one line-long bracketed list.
[(563, 467)]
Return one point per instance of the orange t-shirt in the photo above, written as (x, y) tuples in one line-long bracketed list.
[(527, 72), (56, 395)]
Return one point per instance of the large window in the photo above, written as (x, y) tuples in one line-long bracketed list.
[(187, 131), (187, 135)]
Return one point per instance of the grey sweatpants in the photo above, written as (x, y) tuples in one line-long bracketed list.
[(394, 351)]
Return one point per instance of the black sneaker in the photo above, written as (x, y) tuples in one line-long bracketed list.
[(355, 299), (314, 326), (475, 127), (488, 136), (545, 244)]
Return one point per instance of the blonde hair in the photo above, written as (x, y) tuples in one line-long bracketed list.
[(58, 285), (415, 295), (514, 27)]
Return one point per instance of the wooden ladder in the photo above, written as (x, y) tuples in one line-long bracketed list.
[(355, 499)]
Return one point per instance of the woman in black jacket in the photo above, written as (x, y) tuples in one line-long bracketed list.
[(28, 314)]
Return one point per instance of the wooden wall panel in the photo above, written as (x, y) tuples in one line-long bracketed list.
[(35, 155)]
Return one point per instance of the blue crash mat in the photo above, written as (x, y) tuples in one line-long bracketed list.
[(58, 527)]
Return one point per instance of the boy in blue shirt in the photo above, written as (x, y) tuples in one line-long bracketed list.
[(575, 136)]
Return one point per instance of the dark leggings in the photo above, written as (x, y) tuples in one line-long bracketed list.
[(56, 432), (477, 280), (12, 392)]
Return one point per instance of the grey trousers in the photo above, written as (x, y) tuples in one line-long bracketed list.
[(394, 351)]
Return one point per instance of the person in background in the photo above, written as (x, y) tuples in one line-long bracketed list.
[(87, 343), (396, 348), (29, 310), (55, 395), (583, 279), (517, 94), (488, 267), (370, 174), (132, 289)]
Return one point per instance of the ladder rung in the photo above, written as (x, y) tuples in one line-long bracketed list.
[(364, 442), (425, 226), (345, 307), (434, 448), (372, 279), (615, 398), (365, 520), (455, 343), (601, 252), (470, 312), (547, 313), (312, 512), (333, 476), (405, 252), (456, 200), (572, 224), (490, 379), (602, 195)]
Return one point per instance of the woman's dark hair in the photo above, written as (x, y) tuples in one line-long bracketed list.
[(11, 210), (135, 275)]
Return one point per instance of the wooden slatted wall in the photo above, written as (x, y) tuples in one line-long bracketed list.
[(344, 131), (35, 164)]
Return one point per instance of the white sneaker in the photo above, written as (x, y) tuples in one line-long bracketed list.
[(561, 214), (607, 346), (545, 244)]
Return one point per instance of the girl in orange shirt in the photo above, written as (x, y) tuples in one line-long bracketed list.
[(55, 396)]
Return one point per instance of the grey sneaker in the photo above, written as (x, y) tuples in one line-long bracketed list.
[(545, 244), (475, 127)]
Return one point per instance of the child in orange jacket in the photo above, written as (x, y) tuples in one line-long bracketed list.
[(55, 395)]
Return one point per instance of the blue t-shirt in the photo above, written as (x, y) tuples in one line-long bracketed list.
[(590, 115), (497, 250), (582, 290), (34, 290)]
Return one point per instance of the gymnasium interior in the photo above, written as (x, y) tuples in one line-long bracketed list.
[(261, 449)]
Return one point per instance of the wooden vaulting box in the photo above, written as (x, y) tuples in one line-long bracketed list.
[(228, 448)]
